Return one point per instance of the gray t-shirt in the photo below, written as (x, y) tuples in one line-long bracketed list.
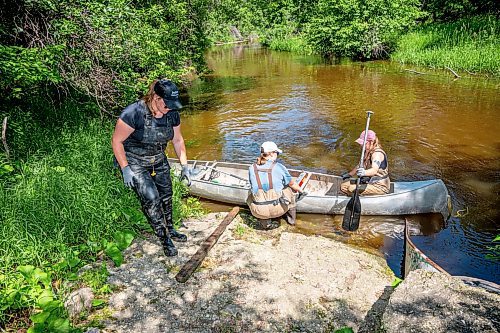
[(133, 115)]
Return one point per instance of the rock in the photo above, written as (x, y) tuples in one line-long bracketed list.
[(92, 330), (78, 301), (435, 302)]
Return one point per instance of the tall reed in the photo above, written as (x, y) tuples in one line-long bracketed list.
[(471, 44)]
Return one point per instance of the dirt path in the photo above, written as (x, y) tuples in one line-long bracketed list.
[(251, 281)]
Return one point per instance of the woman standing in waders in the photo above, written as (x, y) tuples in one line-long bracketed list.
[(139, 141)]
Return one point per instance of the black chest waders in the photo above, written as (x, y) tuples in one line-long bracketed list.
[(152, 182)]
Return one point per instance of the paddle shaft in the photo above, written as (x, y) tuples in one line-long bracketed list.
[(353, 207), (361, 161)]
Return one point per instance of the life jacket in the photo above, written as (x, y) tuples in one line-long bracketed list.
[(269, 204), (381, 178)]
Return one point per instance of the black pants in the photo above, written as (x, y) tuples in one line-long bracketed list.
[(154, 192)]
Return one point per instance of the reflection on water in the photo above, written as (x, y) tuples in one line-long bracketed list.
[(431, 127)]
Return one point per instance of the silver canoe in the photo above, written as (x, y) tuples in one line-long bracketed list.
[(228, 182)]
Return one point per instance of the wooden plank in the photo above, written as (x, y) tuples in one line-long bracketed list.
[(188, 269)]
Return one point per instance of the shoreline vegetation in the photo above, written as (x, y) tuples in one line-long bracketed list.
[(470, 46), (67, 69)]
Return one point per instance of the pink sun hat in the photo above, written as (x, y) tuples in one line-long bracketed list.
[(370, 137)]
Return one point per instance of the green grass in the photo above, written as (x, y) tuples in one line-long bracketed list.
[(295, 44), (63, 202), (471, 44), (96, 279), (63, 198)]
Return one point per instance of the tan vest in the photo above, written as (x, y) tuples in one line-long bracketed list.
[(381, 178), (269, 204)]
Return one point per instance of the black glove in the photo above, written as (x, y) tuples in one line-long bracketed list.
[(346, 176), (128, 176), (186, 174), (301, 195)]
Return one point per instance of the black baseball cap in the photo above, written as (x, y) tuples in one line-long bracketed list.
[(167, 90)]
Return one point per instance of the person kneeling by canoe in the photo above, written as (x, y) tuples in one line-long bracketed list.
[(375, 167), (271, 187)]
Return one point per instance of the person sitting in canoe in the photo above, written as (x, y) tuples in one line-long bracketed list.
[(375, 167), (271, 187)]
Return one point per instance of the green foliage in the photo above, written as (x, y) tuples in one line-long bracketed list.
[(240, 229), (96, 279), (450, 10), (225, 14), (471, 44), (30, 286), (108, 50), (295, 44), (24, 68), (353, 28), (344, 330), (359, 29)]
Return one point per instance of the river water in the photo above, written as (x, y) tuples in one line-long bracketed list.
[(431, 126)]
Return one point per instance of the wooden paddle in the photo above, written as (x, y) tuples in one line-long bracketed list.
[(353, 209)]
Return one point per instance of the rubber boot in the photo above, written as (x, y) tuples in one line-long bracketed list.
[(166, 242), (290, 216), (176, 236), (169, 247)]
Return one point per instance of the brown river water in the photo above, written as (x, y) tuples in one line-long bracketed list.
[(431, 126)]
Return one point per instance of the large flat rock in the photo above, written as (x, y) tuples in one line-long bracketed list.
[(435, 302)]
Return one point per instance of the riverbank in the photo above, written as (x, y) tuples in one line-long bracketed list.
[(469, 45), (465, 47), (63, 205), (271, 281), (252, 280)]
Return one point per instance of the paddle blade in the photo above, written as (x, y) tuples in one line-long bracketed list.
[(352, 213)]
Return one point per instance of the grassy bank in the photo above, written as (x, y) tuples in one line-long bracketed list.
[(471, 44), (295, 44), (62, 204)]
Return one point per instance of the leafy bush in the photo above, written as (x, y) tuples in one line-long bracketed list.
[(33, 287), (107, 50), (360, 29), (353, 28), (451, 10), (23, 68)]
